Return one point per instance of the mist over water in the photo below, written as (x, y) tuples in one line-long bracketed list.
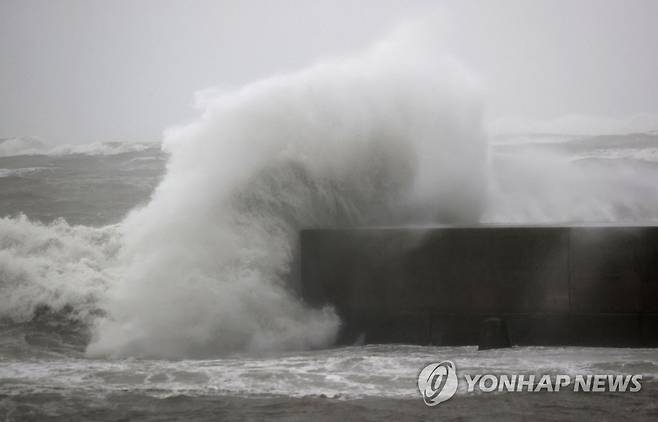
[(392, 137), (575, 180)]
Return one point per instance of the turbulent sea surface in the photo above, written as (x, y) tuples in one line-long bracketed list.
[(92, 187), (60, 237)]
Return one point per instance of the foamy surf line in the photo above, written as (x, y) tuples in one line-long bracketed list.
[(379, 371)]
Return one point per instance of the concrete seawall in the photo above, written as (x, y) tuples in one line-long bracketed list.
[(595, 286)]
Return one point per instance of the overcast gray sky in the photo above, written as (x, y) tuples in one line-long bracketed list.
[(93, 70)]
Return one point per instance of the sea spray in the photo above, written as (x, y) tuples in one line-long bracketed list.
[(391, 137), (573, 182)]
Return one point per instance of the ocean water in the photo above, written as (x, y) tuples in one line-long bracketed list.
[(61, 240), (90, 187)]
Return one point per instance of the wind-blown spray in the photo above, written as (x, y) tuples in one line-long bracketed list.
[(390, 137)]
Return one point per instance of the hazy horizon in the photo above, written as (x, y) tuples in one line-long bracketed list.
[(78, 71)]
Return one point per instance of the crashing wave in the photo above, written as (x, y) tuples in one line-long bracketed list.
[(390, 137)]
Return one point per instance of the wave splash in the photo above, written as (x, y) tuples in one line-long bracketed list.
[(377, 139)]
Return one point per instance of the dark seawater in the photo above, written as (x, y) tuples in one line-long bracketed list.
[(89, 189), (46, 375), (496, 407)]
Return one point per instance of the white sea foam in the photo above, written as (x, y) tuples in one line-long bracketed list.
[(56, 265), (22, 171), (380, 371), (639, 154)]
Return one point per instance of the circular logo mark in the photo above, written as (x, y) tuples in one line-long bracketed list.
[(437, 382)]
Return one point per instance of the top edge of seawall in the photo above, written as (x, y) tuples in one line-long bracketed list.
[(557, 226)]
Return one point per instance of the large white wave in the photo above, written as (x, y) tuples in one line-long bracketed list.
[(384, 138)]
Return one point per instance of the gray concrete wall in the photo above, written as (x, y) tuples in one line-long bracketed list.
[(553, 285)]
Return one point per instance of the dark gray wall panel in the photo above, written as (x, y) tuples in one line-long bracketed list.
[(553, 285)]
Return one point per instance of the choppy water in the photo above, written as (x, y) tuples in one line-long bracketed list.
[(93, 188), (376, 371)]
